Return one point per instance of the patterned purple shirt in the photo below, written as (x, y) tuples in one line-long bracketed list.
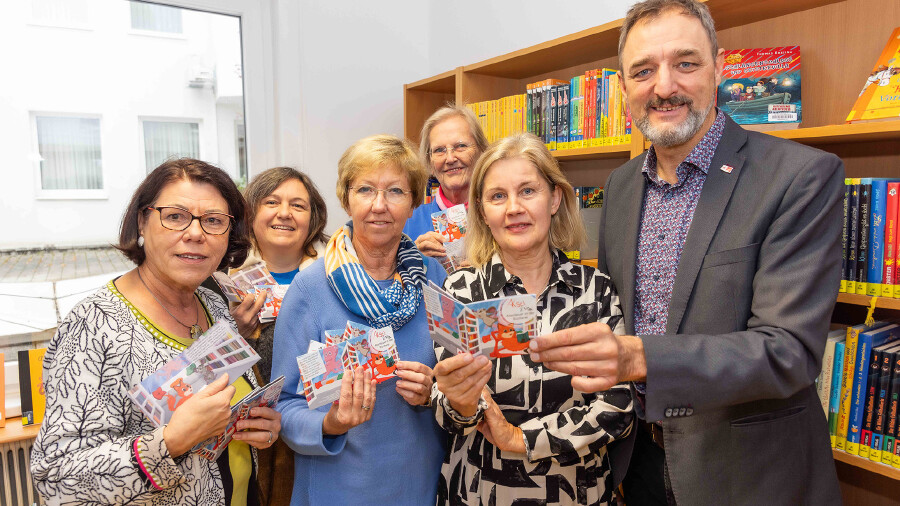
[(665, 221)]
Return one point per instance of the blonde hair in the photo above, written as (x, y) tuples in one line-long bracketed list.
[(375, 152), (445, 113), (566, 228)]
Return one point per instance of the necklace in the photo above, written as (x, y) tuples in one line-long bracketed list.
[(195, 328)]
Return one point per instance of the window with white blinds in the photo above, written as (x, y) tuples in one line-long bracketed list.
[(156, 18), (60, 12), (69, 149), (169, 139)]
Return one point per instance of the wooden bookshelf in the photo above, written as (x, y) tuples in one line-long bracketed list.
[(839, 42), (875, 467), (15, 431)]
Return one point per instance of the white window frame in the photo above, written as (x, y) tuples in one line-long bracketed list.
[(168, 119), (73, 194), (257, 67), (87, 26)]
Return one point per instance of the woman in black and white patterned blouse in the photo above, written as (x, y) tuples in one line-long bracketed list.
[(528, 437)]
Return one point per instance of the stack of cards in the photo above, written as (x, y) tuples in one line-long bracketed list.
[(253, 279), (495, 328), (322, 368), (451, 224)]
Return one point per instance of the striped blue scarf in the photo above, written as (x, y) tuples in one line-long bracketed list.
[(393, 306)]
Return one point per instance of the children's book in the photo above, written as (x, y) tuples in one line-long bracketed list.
[(322, 367), (265, 396), (762, 86), (879, 99), (218, 351), (451, 224), (31, 385), (495, 328)]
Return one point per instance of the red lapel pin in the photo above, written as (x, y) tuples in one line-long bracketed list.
[(726, 169)]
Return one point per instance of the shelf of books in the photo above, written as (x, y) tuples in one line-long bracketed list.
[(875, 467), (583, 120)]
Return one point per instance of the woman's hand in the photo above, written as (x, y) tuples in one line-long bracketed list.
[(355, 405), (431, 244), (461, 379), (246, 314), (498, 431), (414, 384), (264, 425), (204, 415)]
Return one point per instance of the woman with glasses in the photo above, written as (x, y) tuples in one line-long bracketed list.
[(519, 433), (287, 216), (184, 221), (375, 445), (452, 142)]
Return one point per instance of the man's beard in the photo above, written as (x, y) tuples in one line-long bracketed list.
[(674, 135)]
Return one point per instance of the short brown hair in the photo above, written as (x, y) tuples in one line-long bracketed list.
[(566, 228), (373, 152), (444, 113), (196, 171), (267, 182), (650, 9)]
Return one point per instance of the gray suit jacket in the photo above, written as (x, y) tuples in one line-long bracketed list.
[(732, 379)]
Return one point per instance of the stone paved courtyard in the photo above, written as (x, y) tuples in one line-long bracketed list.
[(57, 265)]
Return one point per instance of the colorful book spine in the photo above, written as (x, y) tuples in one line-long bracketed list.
[(881, 402), (604, 105), (875, 260), (893, 425), (31, 386), (845, 229), (868, 412), (853, 236), (823, 385), (865, 203), (890, 239), (847, 385), (834, 403), (867, 340)]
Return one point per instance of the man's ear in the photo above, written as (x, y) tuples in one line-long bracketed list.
[(720, 65)]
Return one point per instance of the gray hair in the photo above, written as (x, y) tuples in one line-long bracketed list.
[(650, 9)]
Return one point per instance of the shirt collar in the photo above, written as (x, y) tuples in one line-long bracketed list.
[(564, 271), (443, 202), (700, 157)]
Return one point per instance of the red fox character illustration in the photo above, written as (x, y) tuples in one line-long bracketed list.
[(380, 366), (183, 392), (506, 337)]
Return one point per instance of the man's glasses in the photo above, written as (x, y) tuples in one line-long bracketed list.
[(440, 152), (175, 218), (368, 193)]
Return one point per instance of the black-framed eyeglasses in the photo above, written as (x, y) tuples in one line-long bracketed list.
[(176, 218)]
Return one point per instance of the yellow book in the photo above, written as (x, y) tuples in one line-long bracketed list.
[(847, 386), (31, 385), (880, 96)]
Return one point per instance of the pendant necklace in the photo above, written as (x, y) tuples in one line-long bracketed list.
[(195, 328)]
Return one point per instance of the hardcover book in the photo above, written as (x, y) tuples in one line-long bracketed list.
[(762, 86), (31, 385), (880, 95), (495, 328)]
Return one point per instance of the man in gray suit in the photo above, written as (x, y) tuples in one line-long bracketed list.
[(724, 245)]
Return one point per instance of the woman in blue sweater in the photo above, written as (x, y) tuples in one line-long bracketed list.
[(375, 445)]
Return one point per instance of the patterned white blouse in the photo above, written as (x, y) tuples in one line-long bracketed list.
[(85, 452), (565, 431)]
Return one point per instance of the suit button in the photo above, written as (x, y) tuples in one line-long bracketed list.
[(668, 412), (689, 412), (682, 411)]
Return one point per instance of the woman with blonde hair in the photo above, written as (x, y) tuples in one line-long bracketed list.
[(365, 448), (519, 431), (452, 141)]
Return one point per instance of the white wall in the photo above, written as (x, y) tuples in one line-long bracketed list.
[(336, 74), (353, 58)]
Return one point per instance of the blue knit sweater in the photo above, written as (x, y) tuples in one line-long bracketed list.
[(394, 458)]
